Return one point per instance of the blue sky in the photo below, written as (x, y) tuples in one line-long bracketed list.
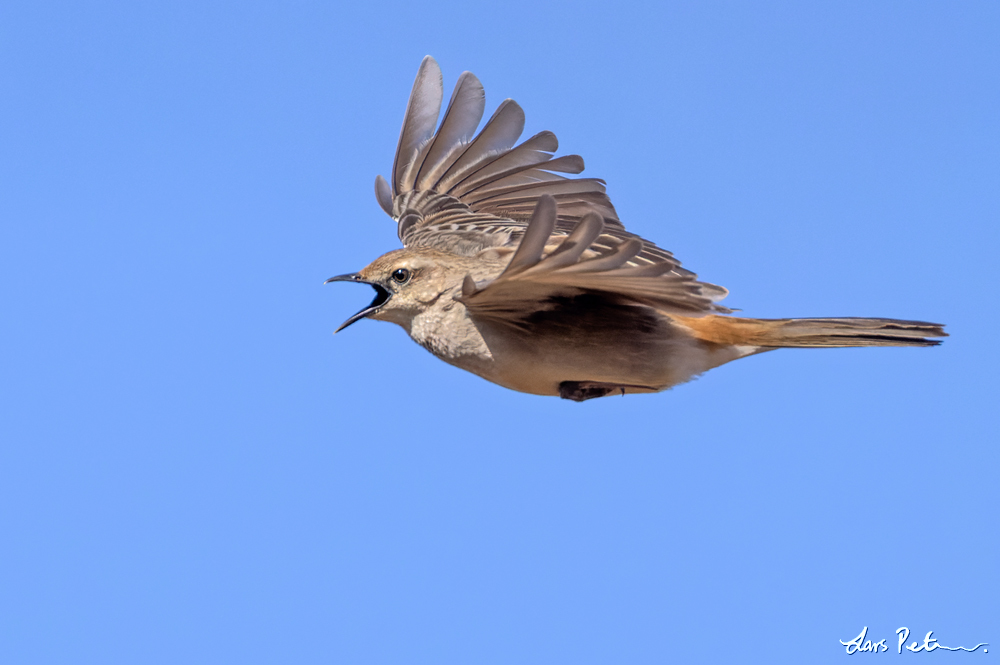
[(192, 469)]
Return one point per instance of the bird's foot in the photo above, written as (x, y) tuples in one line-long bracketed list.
[(579, 391)]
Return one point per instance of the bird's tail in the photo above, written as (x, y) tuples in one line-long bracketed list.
[(812, 333)]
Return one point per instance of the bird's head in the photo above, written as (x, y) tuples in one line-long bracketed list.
[(406, 282)]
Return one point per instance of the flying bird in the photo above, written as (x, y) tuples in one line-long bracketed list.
[(526, 277)]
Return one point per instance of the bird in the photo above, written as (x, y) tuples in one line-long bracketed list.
[(525, 276)]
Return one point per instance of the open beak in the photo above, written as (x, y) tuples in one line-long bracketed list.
[(382, 296)]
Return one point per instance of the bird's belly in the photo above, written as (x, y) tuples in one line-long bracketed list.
[(636, 348), (538, 364)]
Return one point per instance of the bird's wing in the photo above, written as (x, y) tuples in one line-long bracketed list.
[(543, 275), (480, 186), (463, 192)]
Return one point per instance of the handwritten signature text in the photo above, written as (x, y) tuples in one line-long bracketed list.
[(859, 644)]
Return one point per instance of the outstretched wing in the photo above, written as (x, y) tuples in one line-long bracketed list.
[(463, 192), (541, 277), (456, 182)]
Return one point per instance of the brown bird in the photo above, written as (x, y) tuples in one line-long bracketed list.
[(527, 278)]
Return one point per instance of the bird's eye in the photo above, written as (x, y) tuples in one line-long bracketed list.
[(401, 275)]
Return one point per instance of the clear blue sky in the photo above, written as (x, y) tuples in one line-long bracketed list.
[(193, 470)]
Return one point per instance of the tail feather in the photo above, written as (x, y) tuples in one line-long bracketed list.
[(813, 333)]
